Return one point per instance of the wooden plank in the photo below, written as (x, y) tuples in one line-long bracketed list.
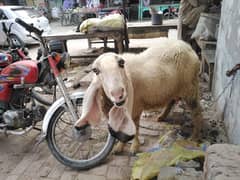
[(117, 35), (203, 44), (78, 35), (209, 55), (137, 30)]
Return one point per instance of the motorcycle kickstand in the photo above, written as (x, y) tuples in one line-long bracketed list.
[(38, 129)]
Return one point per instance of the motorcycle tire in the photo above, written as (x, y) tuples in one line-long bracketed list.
[(65, 136)]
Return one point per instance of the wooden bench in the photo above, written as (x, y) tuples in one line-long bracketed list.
[(208, 51), (116, 35), (208, 61)]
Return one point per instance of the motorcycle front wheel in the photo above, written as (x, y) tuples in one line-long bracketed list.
[(73, 153)]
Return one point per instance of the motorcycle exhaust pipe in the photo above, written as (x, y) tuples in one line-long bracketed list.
[(15, 132)]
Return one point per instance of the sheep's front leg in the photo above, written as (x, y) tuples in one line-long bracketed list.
[(135, 144), (166, 111), (119, 148)]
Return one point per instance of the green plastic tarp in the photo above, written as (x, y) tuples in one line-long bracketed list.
[(148, 164)]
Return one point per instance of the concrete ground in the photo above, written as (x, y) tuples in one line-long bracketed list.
[(21, 160)]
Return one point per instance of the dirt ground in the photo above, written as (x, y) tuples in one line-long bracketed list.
[(20, 159)]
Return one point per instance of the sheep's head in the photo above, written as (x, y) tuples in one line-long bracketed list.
[(110, 75), (110, 70)]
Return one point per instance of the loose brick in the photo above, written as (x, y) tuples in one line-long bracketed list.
[(118, 173), (69, 175), (57, 171), (119, 161), (89, 177), (24, 164), (100, 170)]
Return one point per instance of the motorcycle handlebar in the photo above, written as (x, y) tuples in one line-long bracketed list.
[(28, 27)]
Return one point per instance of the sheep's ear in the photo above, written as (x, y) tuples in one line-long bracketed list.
[(121, 63), (91, 104)]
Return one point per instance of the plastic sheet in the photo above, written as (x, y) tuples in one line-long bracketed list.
[(110, 22), (148, 164)]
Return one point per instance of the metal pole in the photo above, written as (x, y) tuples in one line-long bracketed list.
[(126, 39)]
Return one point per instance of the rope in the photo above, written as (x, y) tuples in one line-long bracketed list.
[(225, 88)]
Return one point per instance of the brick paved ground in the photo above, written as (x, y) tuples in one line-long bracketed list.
[(21, 160)]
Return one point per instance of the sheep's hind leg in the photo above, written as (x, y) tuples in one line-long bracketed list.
[(197, 118), (135, 145), (166, 110)]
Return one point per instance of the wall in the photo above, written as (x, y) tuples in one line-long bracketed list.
[(227, 56)]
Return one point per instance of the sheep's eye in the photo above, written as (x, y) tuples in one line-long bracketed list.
[(96, 71), (121, 63)]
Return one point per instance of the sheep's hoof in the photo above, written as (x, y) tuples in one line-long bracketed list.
[(118, 149), (195, 137), (132, 153), (134, 149), (160, 118)]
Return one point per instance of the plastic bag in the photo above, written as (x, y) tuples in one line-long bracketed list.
[(148, 164), (110, 22), (206, 27)]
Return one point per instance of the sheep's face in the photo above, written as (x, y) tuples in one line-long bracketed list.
[(110, 77), (111, 72)]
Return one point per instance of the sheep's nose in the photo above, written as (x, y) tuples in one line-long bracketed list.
[(118, 94)]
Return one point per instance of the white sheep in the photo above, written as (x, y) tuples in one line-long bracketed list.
[(125, 85)]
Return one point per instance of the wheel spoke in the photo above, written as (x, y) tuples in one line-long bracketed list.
[(74, 153)]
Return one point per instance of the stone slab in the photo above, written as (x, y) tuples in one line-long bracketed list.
[(222, 162)]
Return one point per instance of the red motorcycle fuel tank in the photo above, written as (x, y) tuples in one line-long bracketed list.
[(25, 71)]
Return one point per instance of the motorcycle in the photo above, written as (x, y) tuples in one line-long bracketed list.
[(59, 132), (16, 50), (170, 13), (12, 40), (21, 108), (58, 123)]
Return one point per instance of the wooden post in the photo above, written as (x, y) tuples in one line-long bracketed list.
[(48, 9)]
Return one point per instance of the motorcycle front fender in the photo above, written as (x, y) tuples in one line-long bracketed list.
[(50, 112)]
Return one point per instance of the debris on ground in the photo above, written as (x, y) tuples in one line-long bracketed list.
[(148, 164), (174, 133)]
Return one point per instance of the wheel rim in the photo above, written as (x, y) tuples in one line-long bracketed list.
[(73, 150)]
